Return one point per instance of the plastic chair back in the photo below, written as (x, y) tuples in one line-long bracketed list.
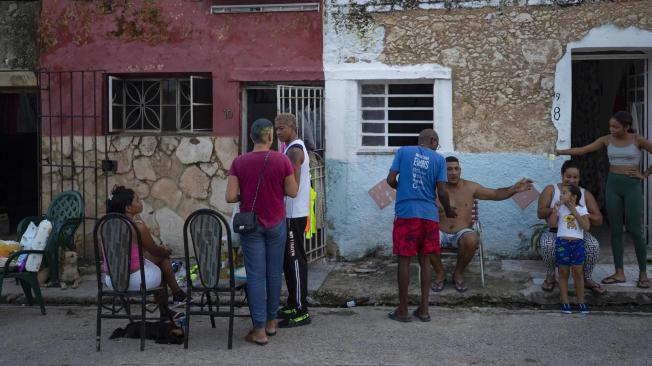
[(205, 228)]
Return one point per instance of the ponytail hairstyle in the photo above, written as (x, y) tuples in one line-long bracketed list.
[(121, 197), (575, 191), (626, 120)]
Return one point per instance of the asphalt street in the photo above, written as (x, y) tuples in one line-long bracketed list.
[(356, 336)]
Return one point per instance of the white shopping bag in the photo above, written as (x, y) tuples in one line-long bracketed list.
[(26, 244), (39, 242)]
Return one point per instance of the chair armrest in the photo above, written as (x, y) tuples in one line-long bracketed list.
[(15, 255), (24, 223)]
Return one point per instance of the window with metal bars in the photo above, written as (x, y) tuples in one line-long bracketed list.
[(160, 104), (393, 114)]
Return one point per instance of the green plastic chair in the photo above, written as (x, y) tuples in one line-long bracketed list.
[(27, 280), (65, 212)]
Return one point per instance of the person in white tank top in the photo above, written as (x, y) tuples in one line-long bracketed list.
[(570, 174), (295, 265)]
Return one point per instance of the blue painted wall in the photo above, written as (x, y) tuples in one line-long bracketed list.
[(357, 225)]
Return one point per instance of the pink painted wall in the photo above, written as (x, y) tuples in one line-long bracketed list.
[(173, 36)]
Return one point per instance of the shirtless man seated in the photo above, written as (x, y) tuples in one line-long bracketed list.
[(457, 232)]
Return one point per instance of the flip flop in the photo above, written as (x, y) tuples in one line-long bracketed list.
[(548, 286), (249, 338), (438, 286), (643, 283), (270, 334), (423, 318), (611, 280), (459, 286), (399, 318), (596, 288)]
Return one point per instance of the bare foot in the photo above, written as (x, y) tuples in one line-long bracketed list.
[(257, 336)]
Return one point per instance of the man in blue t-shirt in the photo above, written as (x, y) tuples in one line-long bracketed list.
[(422, 177)]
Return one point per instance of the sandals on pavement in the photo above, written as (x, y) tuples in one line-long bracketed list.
[(424, 318), (438, 286), (548, 286), (250, 338), (594, 287), (460, 287), (399, 318), (643, 283), (611, 280)]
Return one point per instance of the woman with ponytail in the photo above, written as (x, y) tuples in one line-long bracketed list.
[(623, 192), (156, 264)]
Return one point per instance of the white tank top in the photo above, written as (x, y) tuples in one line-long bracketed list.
[(555, 197), (300, 205)]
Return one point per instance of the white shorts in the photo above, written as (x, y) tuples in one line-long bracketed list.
[(447, 240), (152, 277)]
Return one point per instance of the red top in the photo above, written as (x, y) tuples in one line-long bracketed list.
[(270, 204)]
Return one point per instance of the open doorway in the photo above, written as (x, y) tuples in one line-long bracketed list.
[(604, 83), (260, 102), (18, 160)]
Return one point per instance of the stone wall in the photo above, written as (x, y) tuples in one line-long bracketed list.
[(502, 59), (18, 35), (173, 175)]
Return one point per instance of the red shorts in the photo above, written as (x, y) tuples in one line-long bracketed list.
[(415, 236)]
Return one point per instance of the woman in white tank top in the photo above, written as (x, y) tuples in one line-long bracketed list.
[(570, 174)]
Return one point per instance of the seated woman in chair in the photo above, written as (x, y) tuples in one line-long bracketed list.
[(156, 264)]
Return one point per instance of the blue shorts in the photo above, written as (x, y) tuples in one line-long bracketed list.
[(569, 252)]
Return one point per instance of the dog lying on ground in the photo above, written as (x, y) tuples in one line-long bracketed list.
[(69, 270), (160, 332)]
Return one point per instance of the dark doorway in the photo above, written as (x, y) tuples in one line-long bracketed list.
[(261, 103), (18, 160), (600, 88)]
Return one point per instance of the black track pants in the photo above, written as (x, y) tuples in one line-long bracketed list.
[(295, 266)]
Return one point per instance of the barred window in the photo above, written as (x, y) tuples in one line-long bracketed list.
[(393, 114), (161, 104)]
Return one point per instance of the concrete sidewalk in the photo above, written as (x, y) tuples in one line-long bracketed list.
[(509, 283)]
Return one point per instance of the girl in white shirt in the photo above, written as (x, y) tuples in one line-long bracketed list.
[(572, 220)]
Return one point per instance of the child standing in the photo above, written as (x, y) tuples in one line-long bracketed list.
[(572, 220)]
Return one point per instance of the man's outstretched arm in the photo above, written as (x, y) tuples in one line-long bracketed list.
[(483, 193)]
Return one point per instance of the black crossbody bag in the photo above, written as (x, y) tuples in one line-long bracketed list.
[(245, 222)]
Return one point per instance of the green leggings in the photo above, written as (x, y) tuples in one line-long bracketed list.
[(624, 196)]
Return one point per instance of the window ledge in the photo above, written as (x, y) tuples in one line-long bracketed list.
[(377, 151)]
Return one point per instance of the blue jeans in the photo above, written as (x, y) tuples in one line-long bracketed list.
[(263, 253)]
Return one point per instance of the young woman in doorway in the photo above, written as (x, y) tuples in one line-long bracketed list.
[(623, 192)]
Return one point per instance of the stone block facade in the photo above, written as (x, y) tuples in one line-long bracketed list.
[(173, 175)]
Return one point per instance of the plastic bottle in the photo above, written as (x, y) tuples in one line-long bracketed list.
[(551, 158), (356, 302)]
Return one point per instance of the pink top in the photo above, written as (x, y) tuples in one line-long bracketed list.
[(134, 265), (270, 205)]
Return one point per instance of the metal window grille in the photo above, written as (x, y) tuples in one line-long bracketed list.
[(306, 103), (148, 105), (393, 114)]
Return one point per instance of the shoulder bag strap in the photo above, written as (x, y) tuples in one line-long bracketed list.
[(260, 177)]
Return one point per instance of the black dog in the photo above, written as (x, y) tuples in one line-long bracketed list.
[(160, 332)]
